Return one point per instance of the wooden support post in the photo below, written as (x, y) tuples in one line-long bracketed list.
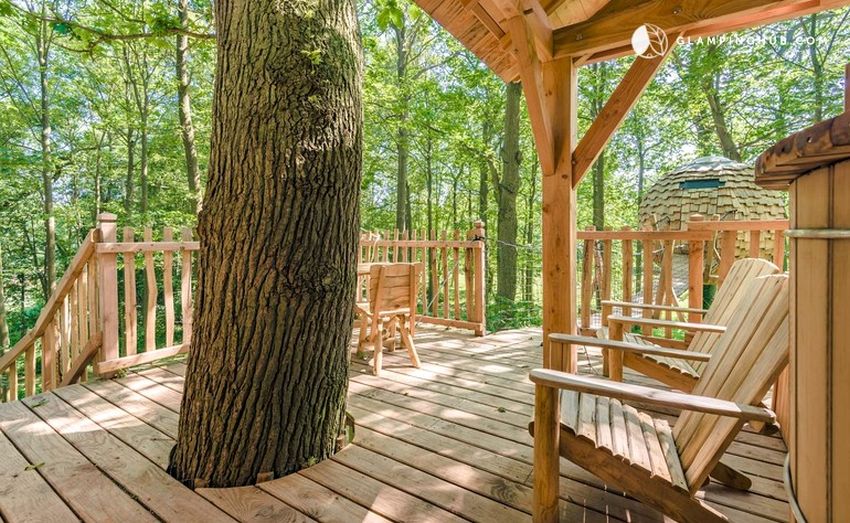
[(546, 454), (605, 284), (779, 248), (559, 217), (108, 289), (479, 267), (696, 261)]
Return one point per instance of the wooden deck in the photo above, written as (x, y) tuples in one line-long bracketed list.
[(447, 442)]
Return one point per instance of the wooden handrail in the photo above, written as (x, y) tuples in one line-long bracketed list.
[(739, 225)]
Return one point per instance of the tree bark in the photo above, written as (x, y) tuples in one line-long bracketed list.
[(268, 367), (184, 104), (507, 189)]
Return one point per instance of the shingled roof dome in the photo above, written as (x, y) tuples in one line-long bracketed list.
[(710, 186)]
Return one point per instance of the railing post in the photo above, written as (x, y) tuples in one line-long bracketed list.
[(477, 234), (696, 260), (107, 274), (587, 272)]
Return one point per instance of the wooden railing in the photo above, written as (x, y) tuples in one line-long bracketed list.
[(66, 335), (452, 285), (156, 343), (618, 265), (79, 330)]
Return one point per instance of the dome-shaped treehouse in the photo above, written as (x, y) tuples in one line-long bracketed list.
[(715, 187)]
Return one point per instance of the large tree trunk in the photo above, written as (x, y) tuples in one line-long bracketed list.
[(184, 104), (268, 368), (42, 49), (507, 189)]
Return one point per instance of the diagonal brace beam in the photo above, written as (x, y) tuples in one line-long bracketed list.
[(624, 97)]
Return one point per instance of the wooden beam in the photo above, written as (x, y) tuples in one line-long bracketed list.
[(530, 72), (616, 108), (559, 215), (612, 27)]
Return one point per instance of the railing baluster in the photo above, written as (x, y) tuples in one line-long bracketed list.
[(168, 287), (628, 271), (131, 341), (150, 308), (587, 272), (29, 371), (456, 276), (186, 288)]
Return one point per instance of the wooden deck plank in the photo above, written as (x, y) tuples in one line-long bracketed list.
[(151, 485), (252, 505), (163, 376), (24, 495), (70, 473), (318, 502), (153, 391), (139, 406), (148, 441), (425, 484), (482, 427), (387, 500), (444, 442)]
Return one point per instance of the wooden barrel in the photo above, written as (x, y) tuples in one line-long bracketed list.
[(819, 439)]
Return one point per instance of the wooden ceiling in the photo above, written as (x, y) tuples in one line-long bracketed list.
[(593, 30)]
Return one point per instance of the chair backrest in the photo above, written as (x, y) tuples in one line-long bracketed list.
[(747, 360), (393, 286), (726, 300)]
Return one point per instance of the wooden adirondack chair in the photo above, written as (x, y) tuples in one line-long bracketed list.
[(660, 466), (680, 369), (391, 307)]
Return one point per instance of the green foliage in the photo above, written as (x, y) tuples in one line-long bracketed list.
[(424, 97)]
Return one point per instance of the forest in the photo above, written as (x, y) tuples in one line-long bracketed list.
[(107, 107)]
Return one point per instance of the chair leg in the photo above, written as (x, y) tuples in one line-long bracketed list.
[(391, 331), (730, 477), (379, 350), (615, 365), (407, 341), (362, 335)]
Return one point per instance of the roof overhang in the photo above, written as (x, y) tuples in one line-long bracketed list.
[(594, 30)]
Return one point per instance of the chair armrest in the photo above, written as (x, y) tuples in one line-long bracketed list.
[(630, 347), (649, 395), (652, 322), (652, 307)]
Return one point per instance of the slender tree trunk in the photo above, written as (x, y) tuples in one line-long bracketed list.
[(4, 325), (143, 160), (403, 135), (184, 104), (507, 189), (42, 49), (727, 143), (268, 368), (483, 173), (129, 177), (528, 292), (98, 177)]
